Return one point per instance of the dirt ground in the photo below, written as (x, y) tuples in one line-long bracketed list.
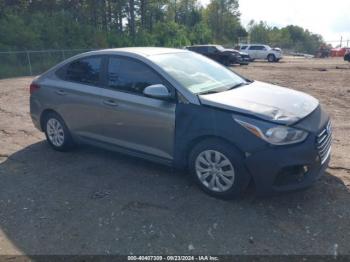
[(92, 201)]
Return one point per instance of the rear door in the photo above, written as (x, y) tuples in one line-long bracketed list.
[(78, 94), (132, 120), (252, 51)]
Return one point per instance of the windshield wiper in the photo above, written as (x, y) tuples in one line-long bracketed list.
[(222, 90), (238, 85), (208, 92)]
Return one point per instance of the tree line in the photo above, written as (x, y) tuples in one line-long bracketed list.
[(291, 37), (65, 24)]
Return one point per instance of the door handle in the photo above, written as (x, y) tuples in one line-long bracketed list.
[(61, 92), (110, 103)]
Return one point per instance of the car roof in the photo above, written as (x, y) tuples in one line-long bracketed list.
[(251, 44), (202, 45), (142, 51)]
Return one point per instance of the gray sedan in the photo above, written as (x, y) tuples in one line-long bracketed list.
[(182, 109)]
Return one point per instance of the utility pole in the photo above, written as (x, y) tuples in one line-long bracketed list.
[(175, 12), (132, 19), (29, 63), (341, 41)]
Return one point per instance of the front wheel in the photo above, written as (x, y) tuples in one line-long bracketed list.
[(271, 58), (57, 133), (217, 168), (226, 61)]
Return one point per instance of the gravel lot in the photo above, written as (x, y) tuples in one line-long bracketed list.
[(92, 201)]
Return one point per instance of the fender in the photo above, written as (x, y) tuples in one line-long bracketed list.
[(196, 122)]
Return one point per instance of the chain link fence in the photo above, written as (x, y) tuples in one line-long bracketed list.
[(30, 63)]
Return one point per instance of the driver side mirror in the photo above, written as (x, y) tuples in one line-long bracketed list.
[(157, 91)]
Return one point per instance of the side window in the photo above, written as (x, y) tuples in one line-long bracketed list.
[(85, 71), (201, 49), (253, 47), (206, 49), (130, 76), (196, 49), (260, 47), (212, 50), (244, 47)]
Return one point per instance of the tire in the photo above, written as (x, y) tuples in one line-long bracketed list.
[(213, 160), (226, 61), (271, 58), (57, 134)]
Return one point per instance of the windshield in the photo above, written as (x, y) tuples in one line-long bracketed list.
[(197, 73)]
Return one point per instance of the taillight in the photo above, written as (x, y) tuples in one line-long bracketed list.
[(33, 87)]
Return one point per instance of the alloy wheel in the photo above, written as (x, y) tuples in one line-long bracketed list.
[(215, 171), (55, 132)]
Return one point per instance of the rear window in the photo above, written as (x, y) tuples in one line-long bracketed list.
[(84, 71)]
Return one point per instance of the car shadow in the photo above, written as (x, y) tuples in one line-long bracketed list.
[(92, 201)]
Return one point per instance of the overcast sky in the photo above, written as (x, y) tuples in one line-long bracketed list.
[(331, 19)]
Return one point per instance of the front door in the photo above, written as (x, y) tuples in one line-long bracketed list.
[(261, 52), (213, 53), (130, 119), (252, 51)]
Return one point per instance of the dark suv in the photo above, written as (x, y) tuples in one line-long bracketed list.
[(221, 54), (347, 55)]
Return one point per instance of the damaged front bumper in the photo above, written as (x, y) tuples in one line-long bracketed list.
[(294, 167)]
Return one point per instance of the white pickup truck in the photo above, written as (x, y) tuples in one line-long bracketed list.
[(257, 51)]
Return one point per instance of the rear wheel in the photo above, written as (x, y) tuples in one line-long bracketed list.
[(271, 58), (57, 133), (217, 168)]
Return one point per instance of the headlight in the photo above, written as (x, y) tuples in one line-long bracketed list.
[(273, 134)]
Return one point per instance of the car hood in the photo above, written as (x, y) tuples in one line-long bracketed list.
[(243, 53), (268, 102), (233, 51), (236, 51)]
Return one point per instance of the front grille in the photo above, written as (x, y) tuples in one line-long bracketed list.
[(324, 141)]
